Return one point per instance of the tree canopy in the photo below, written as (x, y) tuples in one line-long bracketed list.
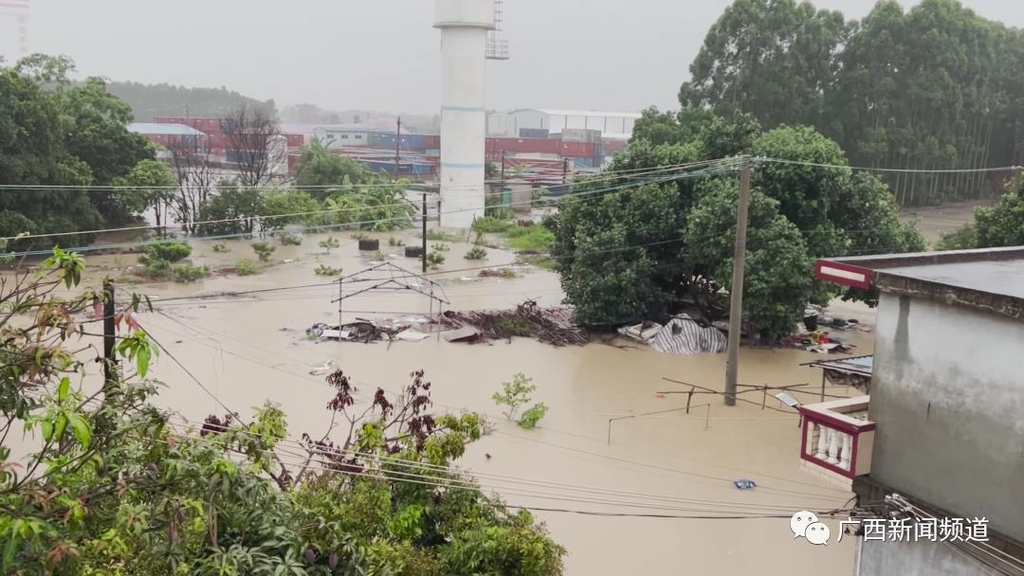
[(58, 138), (932, 87), (628, 250)]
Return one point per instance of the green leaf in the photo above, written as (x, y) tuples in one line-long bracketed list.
[(81, 430), (143, 361), (59, 427), (63, 389)]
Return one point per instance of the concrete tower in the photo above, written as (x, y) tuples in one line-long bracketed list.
[(19, 10), (464, 26)]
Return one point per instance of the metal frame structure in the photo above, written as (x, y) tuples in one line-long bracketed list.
[(397, 278)]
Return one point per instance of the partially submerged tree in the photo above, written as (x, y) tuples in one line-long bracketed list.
[(629, 250)]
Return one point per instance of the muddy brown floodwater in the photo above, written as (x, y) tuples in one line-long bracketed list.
[(252, 348)]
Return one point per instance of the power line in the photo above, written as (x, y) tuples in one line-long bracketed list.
[(586, 193), (717, 479), (890, 170)]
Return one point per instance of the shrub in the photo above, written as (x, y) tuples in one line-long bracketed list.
[(157, 268), (187, 273), (539, 260), (329, 243), (325, 270), (289, 239), (435, 259), (171, 251), (246, 267), (532, 415), (382, 256), (490, 224), (395, 241), (515, 395), (220, 248), (441, 247), (359, 236), (530, 238), (476, 253), (263, 251)]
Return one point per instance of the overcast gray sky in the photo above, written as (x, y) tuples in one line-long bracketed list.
[(384, 54)]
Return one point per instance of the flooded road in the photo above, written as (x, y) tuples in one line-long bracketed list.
[(251, 348)]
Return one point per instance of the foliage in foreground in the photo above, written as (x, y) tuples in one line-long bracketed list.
[(116, 488)]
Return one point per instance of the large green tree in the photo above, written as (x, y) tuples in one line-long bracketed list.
[(630, 247), (58, 138), (932, 87)]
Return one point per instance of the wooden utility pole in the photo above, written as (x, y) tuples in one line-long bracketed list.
[(736, 291), (424, 256), (503, 170), (565, 171), (109, 359), (1017, 179), (398, 146)]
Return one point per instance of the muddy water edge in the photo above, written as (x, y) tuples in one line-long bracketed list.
[(246, 344)]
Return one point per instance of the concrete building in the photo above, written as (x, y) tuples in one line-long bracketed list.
[(541, 123), (943, 424)]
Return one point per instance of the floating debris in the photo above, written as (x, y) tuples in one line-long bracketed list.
[(549, 325), (745, 484)]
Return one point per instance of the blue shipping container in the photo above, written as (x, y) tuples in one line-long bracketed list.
[(533, 132)]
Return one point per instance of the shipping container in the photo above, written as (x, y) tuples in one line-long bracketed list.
[(577, 149), (533, 133), (433, 153), (583, 162), (432, 142), (580, 135), (373, 139), (613, 146)]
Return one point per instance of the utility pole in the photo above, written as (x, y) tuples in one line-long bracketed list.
[(398, 146), (736, 291), (1017, 179), (424, 256), (502, 170), (109, 360), (565, 171)]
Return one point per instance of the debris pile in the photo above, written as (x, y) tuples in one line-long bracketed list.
[(549, 325), (360, 331)]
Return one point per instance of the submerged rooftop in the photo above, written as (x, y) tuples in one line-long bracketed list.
[(992, 279)]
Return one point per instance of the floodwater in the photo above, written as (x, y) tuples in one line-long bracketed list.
[(636, 473)]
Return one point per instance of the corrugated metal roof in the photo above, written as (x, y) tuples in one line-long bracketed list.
[(154, 129), (591, 113)]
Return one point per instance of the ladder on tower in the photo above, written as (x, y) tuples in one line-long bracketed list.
[(497, 47)]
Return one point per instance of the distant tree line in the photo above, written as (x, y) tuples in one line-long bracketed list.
[(929, 88), (148, 101)]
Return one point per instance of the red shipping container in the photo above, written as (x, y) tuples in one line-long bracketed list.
[(577, 149), (432, 141), (612, 146)]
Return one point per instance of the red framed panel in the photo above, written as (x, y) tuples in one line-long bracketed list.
[(842, 273)]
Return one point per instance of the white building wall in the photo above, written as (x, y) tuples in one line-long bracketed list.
[(947, 397)]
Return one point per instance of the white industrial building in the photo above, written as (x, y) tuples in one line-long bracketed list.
[(533, 122)]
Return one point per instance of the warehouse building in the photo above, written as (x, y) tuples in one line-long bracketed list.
[(543, 123)]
